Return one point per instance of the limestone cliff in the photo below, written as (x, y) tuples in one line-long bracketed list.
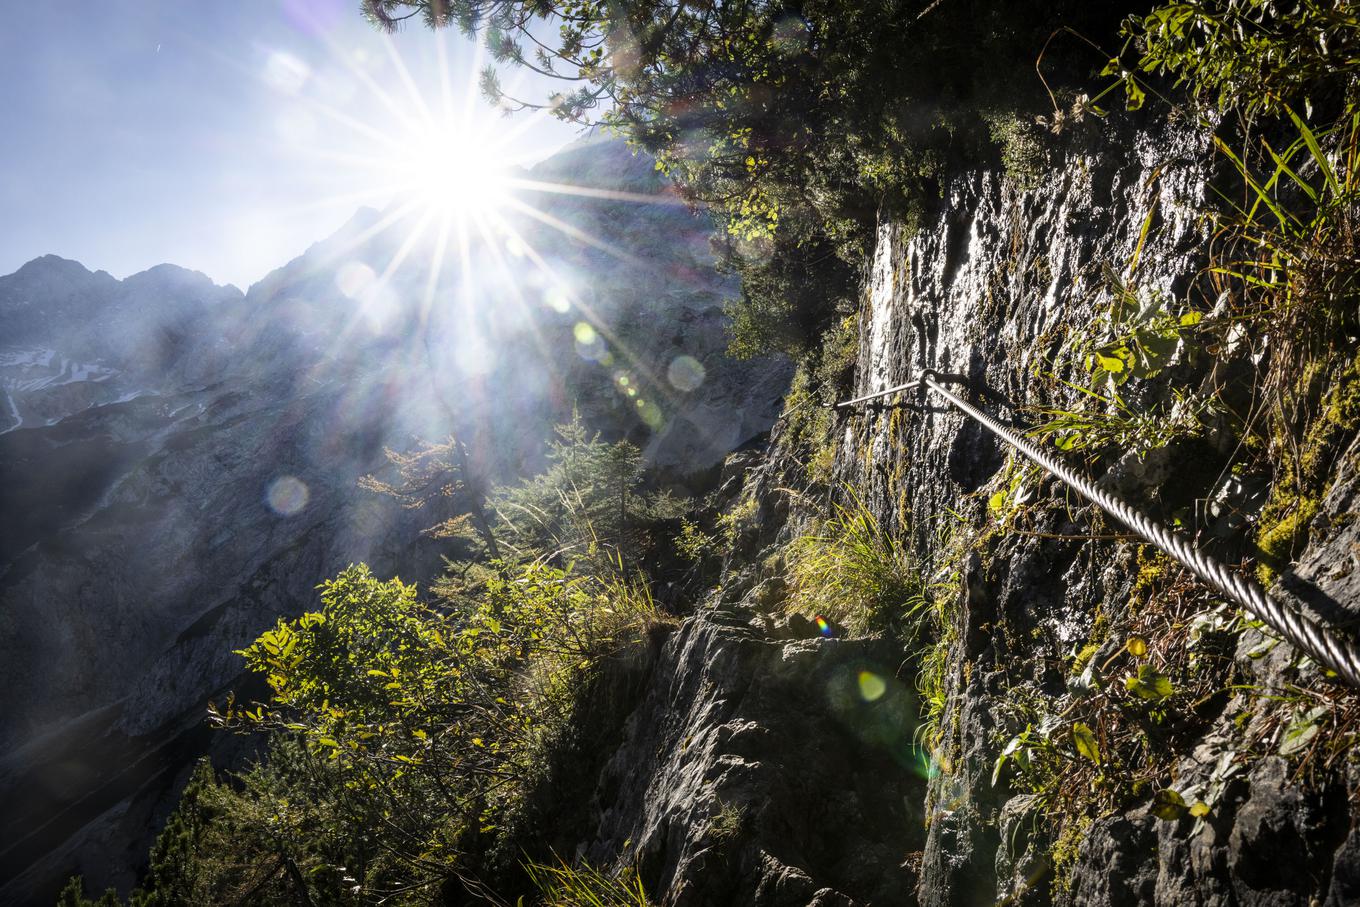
[(1075, 720), (749, 768)]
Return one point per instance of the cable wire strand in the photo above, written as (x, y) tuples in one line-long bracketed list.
[(910, 385), (1325, 646)]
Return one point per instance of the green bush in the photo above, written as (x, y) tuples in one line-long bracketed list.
[(1287, 235), (1256, 56), (420, 727), (853, 572)]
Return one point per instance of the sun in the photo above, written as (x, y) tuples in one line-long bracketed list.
[(454, 182), (451, 171)]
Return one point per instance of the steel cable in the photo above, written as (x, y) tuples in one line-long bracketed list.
[(1325, 646)]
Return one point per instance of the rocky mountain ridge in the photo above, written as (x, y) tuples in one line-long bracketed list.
[(179, 464)]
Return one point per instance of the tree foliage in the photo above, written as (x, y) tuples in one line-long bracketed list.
[(590, 505), (439, 480), (1257, 56), (401, 736), (796, 123)]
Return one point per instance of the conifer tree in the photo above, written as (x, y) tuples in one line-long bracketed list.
[(177, 858)]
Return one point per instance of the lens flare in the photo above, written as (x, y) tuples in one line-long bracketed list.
[(824, 627), (871, 686), (287, 495), (285, 73), (685, 373), (557, 300), (589, 344), (650, 413), (448, 172), (353, 278)]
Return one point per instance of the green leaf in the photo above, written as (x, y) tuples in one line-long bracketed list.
[(1142, 236), (1168, 805), (1282, 166), (1134, 94), (997, 502), (1200, 809), (1012, 750), (1262, 196), (1112, 364), (1085, 741), (1315, 149), (1301, 730), (1150, 684), (1263, 648)]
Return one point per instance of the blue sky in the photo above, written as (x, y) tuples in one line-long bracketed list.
[(224, 137)]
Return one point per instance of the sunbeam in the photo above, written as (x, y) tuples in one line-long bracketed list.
[(598, 327), (575, 232), (613, 195), (441, 169)]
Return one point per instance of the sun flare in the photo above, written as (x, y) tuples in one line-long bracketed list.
[(451, 171), (454, 187)]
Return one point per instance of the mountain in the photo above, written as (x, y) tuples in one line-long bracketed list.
[(75, 338), (178, 460)]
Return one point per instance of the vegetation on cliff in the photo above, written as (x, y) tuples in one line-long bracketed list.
[(408, 738), (411, 740), (1258, 357)]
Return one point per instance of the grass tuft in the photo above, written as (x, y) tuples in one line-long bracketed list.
[(853, 572), (563, 885)]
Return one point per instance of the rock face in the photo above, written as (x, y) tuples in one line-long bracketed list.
[(743, 774), (178, 460), (732, 766), (779, 782), (745, 759), (987, 293)]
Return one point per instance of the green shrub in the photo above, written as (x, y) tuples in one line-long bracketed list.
[(692, 542), (1287, 234), (852, 571), (737, 521), (1253, 55), (1022, 151), (423, 727)]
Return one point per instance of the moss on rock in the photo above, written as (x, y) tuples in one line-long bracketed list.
[(1303, 472)]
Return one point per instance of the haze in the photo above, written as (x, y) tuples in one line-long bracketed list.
[(222, 137)]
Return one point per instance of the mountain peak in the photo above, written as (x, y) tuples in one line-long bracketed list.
[(53, 264), (172, 276)]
